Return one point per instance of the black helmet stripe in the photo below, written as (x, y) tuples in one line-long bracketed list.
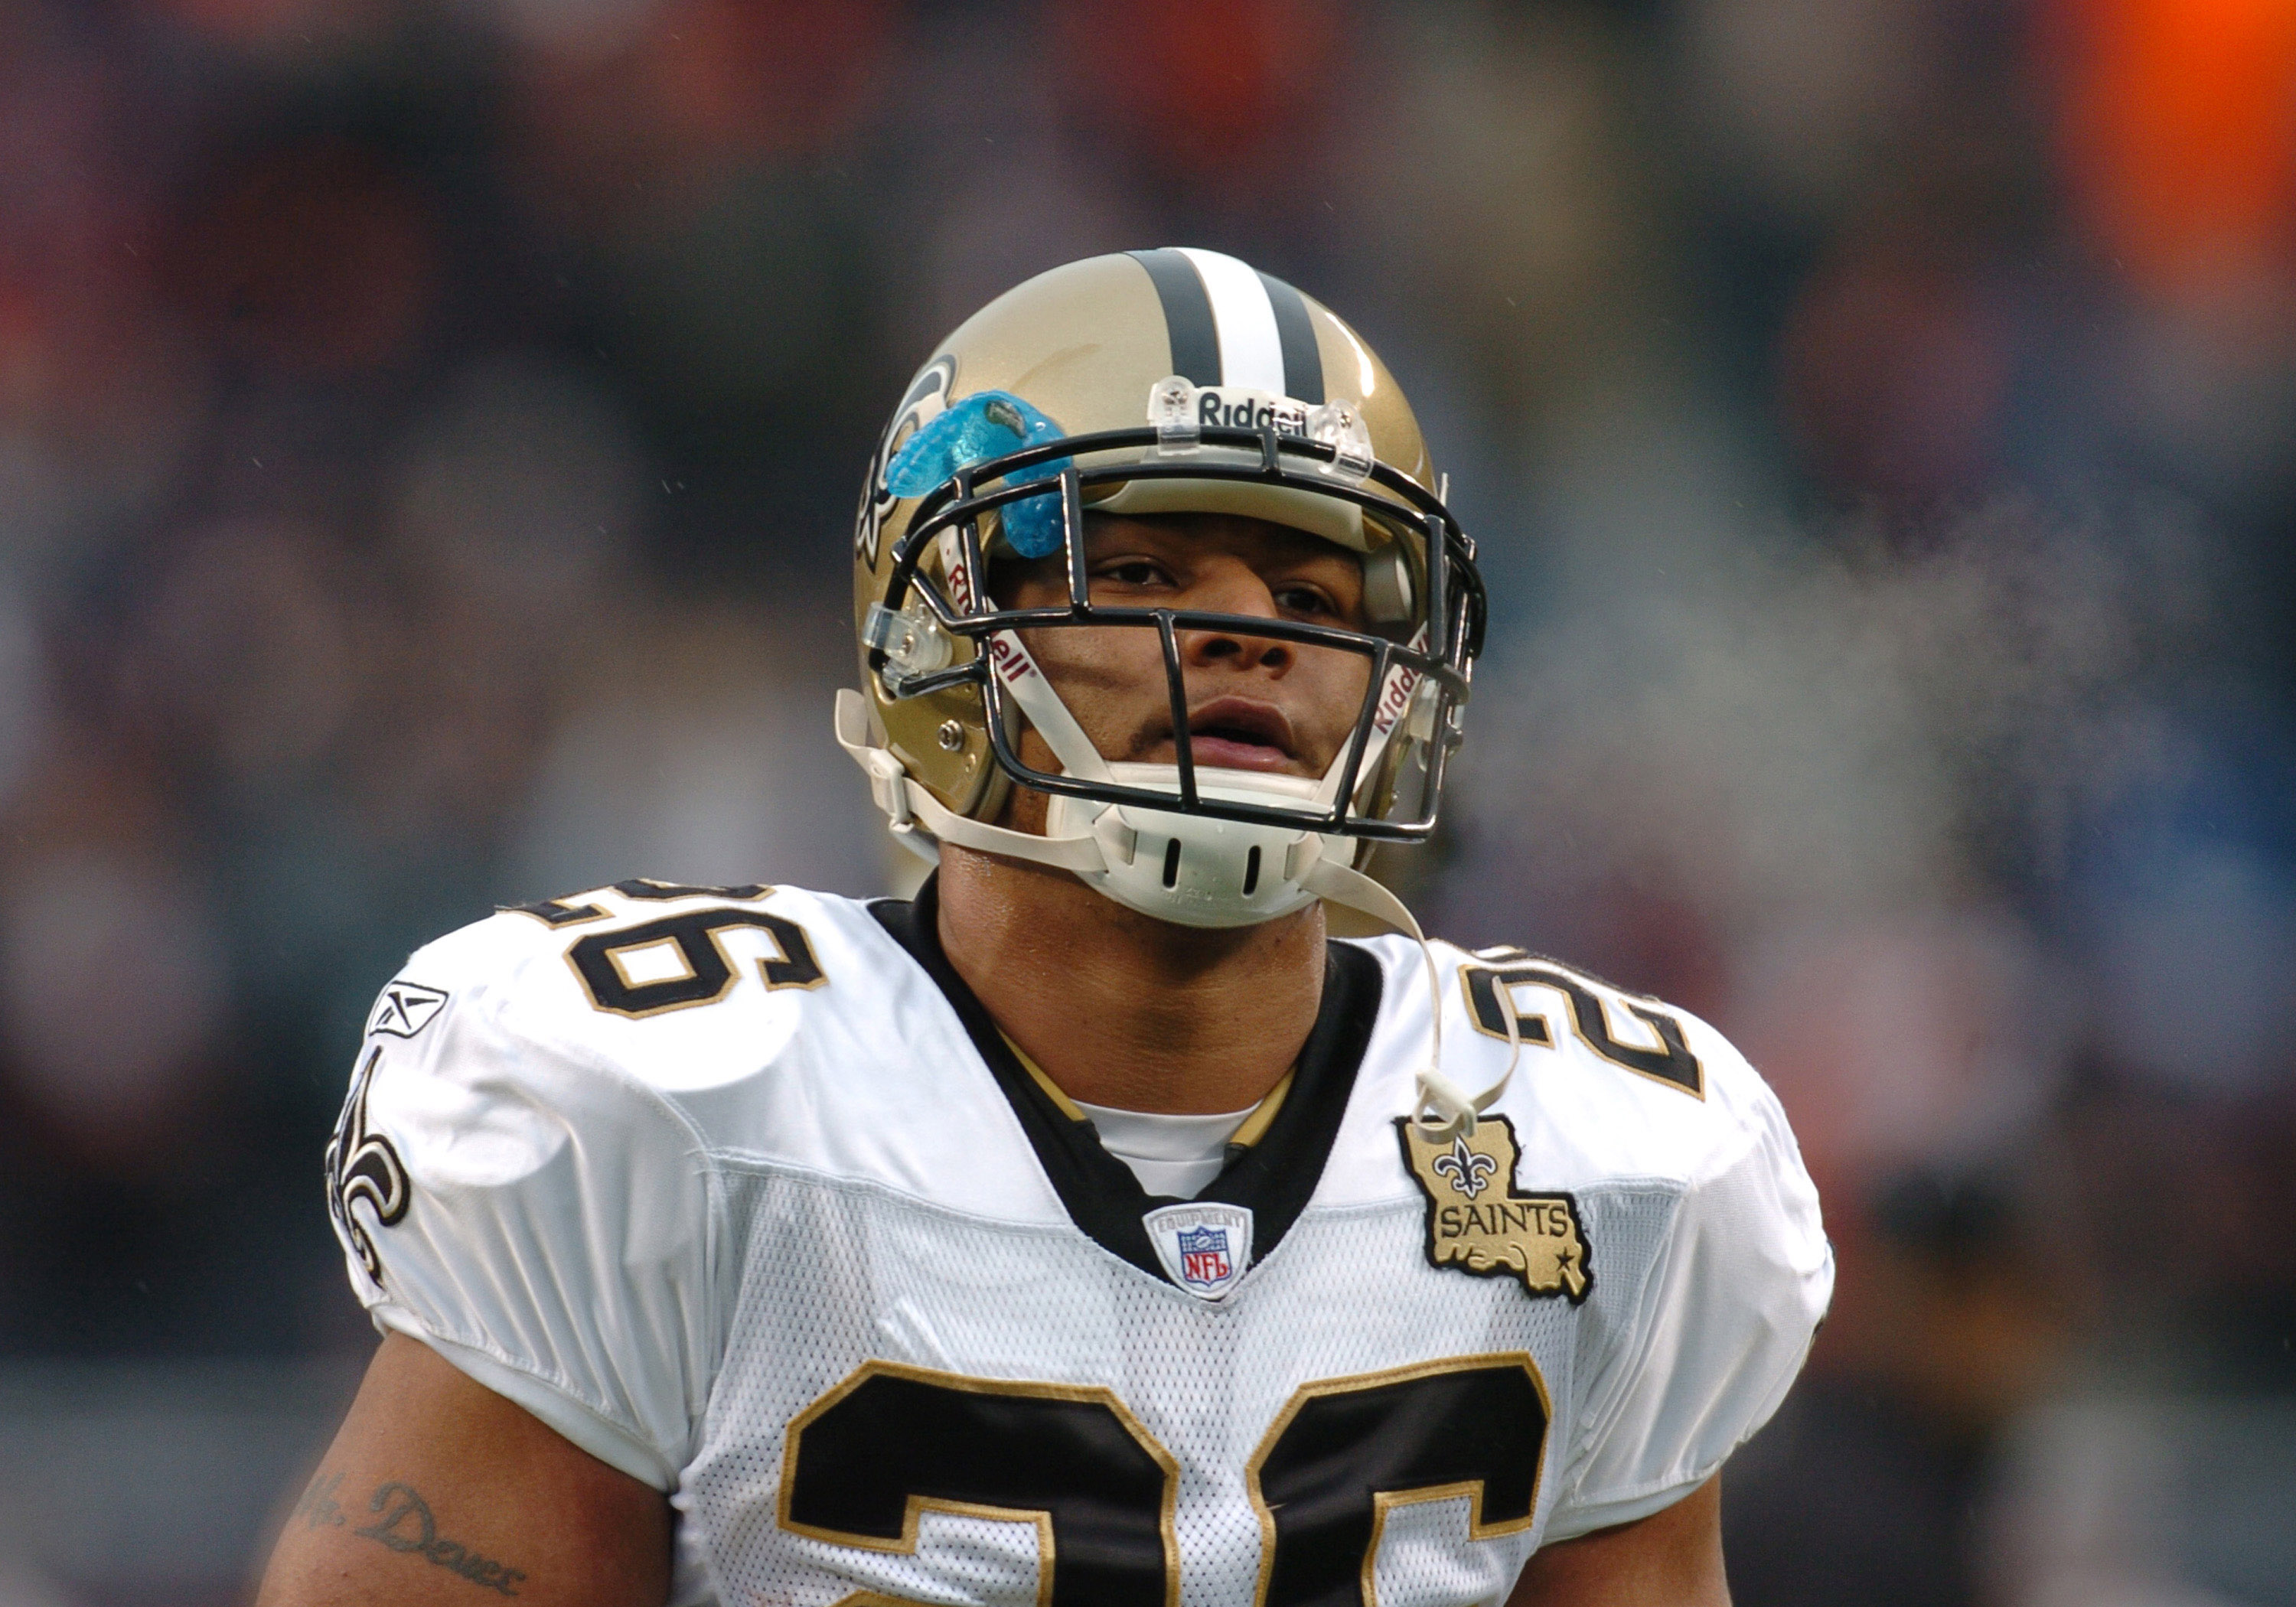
[(1303, 364), (1211, 302), (1188, 315)]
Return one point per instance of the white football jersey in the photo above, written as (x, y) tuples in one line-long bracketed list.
[(741, 1191)]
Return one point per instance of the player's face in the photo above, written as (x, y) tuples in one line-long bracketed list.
[(1253, 702)]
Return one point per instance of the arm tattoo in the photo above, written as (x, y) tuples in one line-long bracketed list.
[(317, 1508), (407, 1525)]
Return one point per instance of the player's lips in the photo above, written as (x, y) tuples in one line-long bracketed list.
[(1240, 734)]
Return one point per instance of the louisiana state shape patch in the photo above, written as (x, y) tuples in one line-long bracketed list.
[(1479, 1223)]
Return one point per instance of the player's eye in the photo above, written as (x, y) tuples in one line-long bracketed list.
[(1297, 597), (1133, 572)]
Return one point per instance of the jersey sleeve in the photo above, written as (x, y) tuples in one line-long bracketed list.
[(542, 1221), (1702, 1352)]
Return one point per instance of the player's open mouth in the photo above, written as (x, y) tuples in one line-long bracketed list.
[(1240, 734)]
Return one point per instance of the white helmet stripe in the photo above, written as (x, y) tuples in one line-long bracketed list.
[(1252, 351)]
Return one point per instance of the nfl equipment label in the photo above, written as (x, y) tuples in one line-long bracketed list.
[(1205, 1247), (1479, 1223)]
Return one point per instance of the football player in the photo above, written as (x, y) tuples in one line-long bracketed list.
[(1091, 1230)]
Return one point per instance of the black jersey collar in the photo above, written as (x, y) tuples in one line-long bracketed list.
[(1274, 1178)]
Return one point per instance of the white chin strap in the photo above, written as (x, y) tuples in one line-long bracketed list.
[(1188, 869)]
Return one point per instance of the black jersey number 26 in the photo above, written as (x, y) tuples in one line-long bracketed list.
[(892, 1442)]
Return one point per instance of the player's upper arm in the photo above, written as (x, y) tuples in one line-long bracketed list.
[(533, 1226), (1672, 1558), (513, 1198), (1697, 1357), (438, 1490)]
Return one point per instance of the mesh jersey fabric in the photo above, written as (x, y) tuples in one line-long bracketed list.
[(673, 1233)]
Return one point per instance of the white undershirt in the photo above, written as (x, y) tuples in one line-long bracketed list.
[(1176, 1156)]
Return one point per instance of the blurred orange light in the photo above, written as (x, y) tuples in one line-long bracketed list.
[(787, 74), (2179, 127), (1212, 85), (697, 87)]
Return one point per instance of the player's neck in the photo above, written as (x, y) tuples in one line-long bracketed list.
[(1124, 1010)]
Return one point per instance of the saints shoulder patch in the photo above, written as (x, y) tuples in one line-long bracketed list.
[(1479, 1223)]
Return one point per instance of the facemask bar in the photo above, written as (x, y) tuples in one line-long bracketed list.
[(1341, 781), (1444, 634)]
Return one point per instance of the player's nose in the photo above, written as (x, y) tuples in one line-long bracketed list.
[(1229, 585)]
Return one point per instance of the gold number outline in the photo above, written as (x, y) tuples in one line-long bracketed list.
[(792, 963)]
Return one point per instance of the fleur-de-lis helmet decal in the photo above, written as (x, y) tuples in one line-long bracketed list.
[(1464, 1170)]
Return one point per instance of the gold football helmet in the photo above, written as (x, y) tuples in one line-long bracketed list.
[(1150, 382)]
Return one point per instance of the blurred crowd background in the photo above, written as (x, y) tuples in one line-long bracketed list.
[(429, 435)]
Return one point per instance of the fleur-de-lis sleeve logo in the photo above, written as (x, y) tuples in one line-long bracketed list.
[(1464, 1170), (363, 1166)]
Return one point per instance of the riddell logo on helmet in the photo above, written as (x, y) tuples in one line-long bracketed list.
[(1012, 661), (1218, 409), (1394, 698), (960, 578)]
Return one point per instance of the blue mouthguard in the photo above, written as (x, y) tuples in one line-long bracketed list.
[(986, 424)]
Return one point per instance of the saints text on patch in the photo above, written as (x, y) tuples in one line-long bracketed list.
[(1479, 1223)]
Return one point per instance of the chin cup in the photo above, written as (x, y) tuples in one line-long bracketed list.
[(1193, 870)]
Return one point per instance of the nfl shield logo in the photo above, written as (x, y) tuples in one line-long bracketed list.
[(1203, 1257), (1205, 1249)]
